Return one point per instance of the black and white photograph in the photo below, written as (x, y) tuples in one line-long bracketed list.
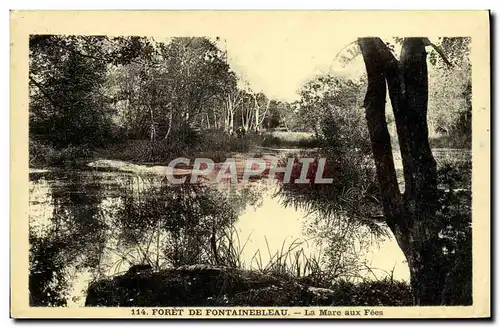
[(267, 172)]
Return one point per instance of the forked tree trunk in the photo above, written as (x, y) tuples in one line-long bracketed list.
[(411, 215)]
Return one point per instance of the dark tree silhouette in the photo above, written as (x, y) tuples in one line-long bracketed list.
[(410, 215)]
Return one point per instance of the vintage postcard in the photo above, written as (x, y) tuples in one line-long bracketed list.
[(250, 164)]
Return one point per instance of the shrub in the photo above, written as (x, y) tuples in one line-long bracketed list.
[(219, 141), (45, 154), (289, 140), (453, 140)]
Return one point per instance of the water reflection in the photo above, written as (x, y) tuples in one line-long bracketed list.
[(101, 223), (86, 224)]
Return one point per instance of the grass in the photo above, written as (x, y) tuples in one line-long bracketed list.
[(290, 261), (290, 278)]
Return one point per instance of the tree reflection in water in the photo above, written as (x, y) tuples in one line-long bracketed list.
[(104, 223)]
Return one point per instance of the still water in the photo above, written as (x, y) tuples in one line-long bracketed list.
[(86, 224)]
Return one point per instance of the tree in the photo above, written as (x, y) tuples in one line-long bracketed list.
[(68, 103), (185, 81), (410, 215), (261, 105), (431, 225), (277, 114), (328, 96), (232, 101), (450, 106)]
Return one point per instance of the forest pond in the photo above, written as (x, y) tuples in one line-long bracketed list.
[(87, 223)]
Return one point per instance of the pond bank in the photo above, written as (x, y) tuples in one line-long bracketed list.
[(203, 285)]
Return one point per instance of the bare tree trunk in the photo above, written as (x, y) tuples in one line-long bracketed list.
[(420, 200), (169, 125), (246, 117), (231, 122), (411, 215), (257, 113), (226, 121), (266, 111), (152, 106), (259, 117), (152, 125)]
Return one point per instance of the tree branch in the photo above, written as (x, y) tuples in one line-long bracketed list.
[(44, 93), (428, 42)]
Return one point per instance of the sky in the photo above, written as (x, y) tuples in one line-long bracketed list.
[(279, 60), (278, 64)]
